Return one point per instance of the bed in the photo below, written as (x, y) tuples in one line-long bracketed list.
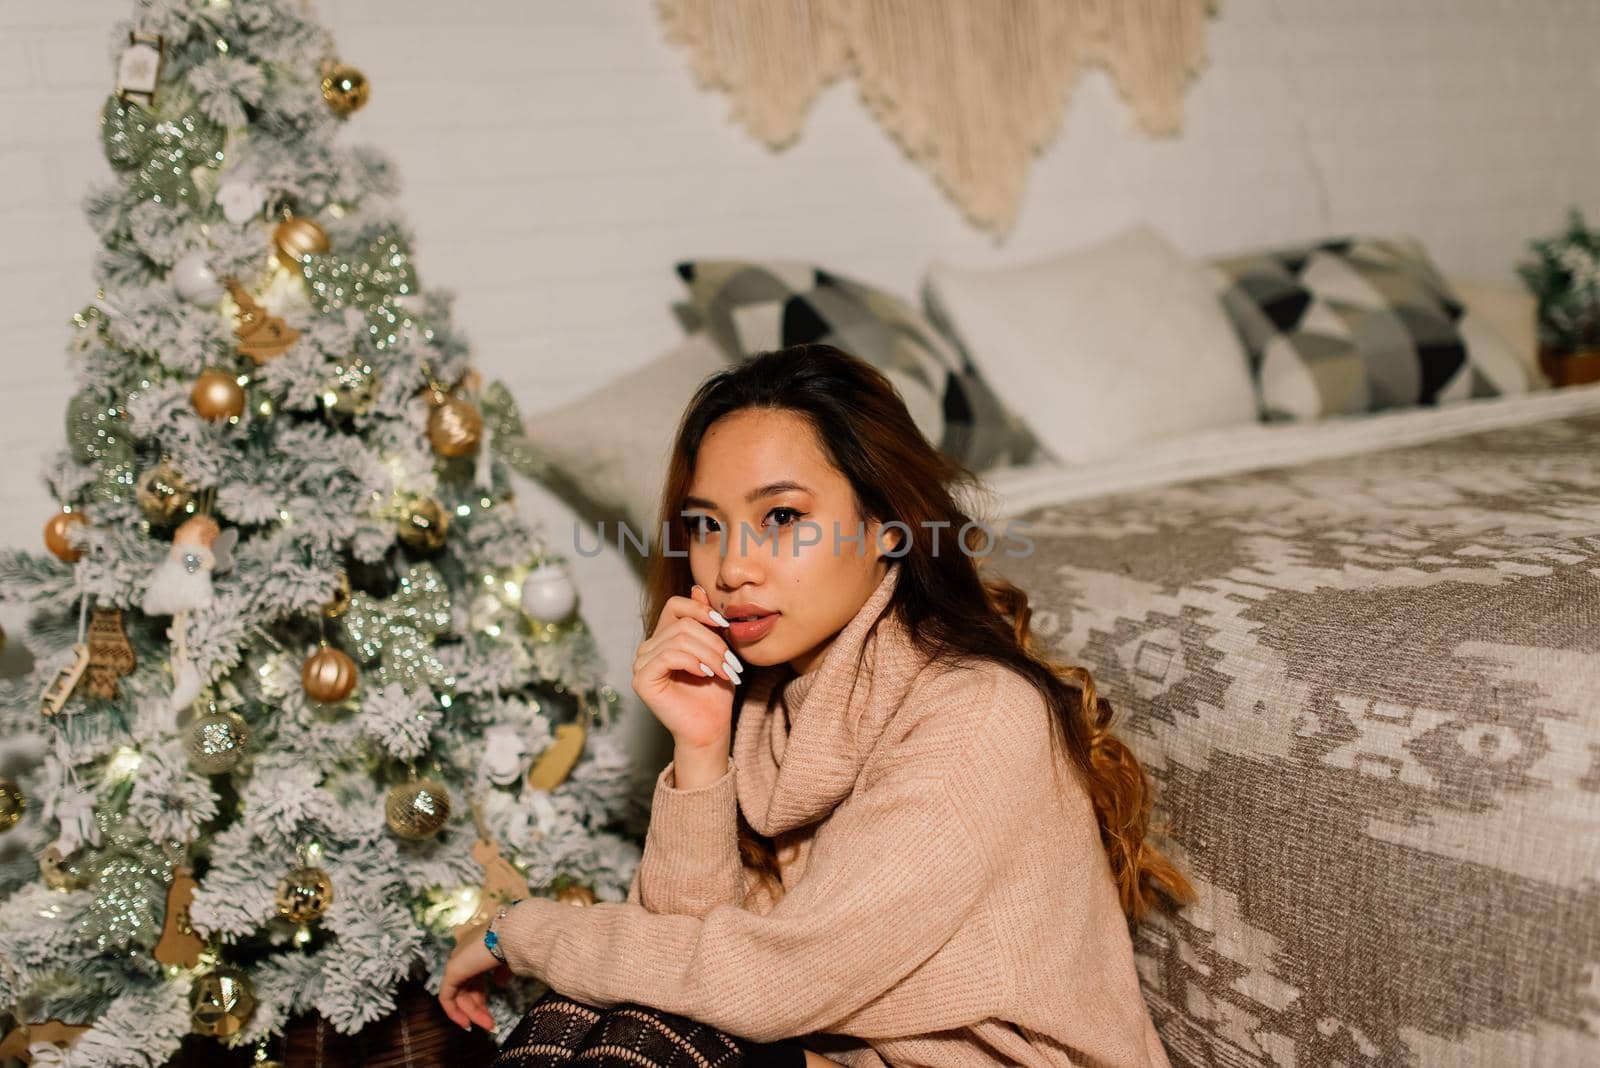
[(1361, 661)]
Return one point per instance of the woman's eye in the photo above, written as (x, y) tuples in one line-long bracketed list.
[(695, 524), (791, 511)]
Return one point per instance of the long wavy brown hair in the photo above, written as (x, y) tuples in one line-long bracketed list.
[(868, 435)]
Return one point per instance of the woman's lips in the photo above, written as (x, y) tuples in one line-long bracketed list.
[(753, 630)]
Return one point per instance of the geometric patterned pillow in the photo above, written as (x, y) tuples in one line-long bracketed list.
[(749, 307), (1359, 324)]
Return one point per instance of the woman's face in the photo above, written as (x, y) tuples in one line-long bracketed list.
[(761, 515)]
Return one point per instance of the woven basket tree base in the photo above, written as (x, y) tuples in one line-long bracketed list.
[(417, 1034)]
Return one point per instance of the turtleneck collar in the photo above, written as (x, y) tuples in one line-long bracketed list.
[(801, 739)]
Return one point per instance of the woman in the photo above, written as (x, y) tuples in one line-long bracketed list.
[(891, 827)]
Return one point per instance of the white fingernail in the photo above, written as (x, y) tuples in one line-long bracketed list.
[(731, 659), (716, 617), (734, 672), (706, 670)]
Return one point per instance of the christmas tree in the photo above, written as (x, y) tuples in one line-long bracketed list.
[(310, 699)]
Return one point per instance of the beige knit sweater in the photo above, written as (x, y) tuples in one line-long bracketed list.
[(945, 901)]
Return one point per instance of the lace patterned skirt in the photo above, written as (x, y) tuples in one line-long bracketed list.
[(558, 1030)]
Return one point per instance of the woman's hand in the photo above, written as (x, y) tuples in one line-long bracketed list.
[(683, 674), (462, 993)]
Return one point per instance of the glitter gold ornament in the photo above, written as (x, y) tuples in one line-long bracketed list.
[(12, 803), (417, 809), (345, 88), (339, 603), (576, 894), (221, 1001), (297, 238), (424, 526), (351, 389), (59, 873), (163, 495), (328, 675), (216, 741), (304, 894), (455, 426), (55, 535), (217, 395)]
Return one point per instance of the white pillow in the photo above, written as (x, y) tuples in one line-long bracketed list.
[(1119, 342)]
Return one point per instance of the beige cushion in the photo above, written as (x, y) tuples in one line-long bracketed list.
[(1101, 347), (605, 453), (1511, 311)]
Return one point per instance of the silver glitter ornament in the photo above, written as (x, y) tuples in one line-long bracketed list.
[(375, 278), (216, 741), (128, 875), (97, 432), (398, 632), (94, 427), (160, 150)]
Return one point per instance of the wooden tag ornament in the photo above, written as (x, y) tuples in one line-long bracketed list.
[(110, 655), (557, 761), (178, 943), (501, 883), (60, 689), (262, 335), (54, 1031)]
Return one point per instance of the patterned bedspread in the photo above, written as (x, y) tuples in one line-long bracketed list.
[(1368, 692)]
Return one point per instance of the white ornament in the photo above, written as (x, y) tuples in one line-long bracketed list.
[(193, 280), (240, 199), (548, 594), (182, 581), (505, 755)]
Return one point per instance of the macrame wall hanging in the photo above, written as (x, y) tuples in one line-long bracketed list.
[(971, 89)]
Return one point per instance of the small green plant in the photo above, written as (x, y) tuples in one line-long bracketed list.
[(1565, 277)]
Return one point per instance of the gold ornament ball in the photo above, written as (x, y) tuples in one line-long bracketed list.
[(418, 809), (296, 238), (345, 89), (216, 741), (576, 894), (304, 894), (339, 603), (328, 675), (55, 535), (455, 428), (221, 1001), (352, 388), (163, 495), (217, 395), (12, 802), (60, 873), (425, 526)]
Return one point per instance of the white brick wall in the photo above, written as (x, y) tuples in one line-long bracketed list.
[(558, 159)]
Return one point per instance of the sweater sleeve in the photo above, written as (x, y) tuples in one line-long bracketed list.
[(691, 848), (891, 876)]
